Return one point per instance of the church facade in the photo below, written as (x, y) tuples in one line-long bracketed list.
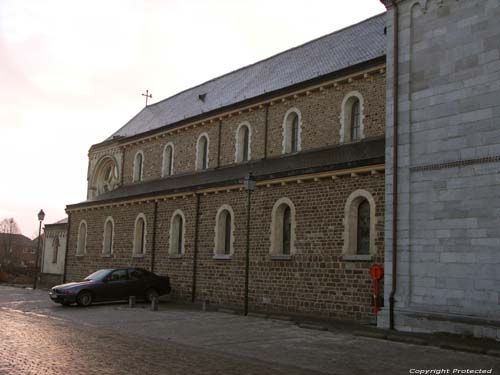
[(171, 191)]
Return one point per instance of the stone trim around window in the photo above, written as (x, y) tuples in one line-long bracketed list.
[(139, 253), (238, 155), (105, 254), (199, 157), (220, 231), (349, 251), (286, 137), (81, 244), (277, 229), (345, 116), (172, 245), (164, 161), (138, 175)]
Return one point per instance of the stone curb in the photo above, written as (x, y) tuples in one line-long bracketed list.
[(227, 311), (258, 315), (462, 348), (371, 334), (313, 326), (408, 339), (494, 353), (281, 317)]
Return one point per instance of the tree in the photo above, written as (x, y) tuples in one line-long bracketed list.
[(9, 227)]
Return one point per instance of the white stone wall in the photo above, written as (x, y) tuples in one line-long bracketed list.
[(48, 250), (449, 167)]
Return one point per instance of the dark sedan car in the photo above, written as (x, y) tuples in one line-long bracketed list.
[(111, 285)]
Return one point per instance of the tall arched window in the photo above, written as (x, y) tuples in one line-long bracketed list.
[(359, 225), (363, 235), (168, 160), (355, 120), (140, 235), (243, 143), (177, 233), (138, 166), (107, 246), (106, 176), (352, 128), (55, 247), (283, 228), (202, 152), (291, 131), (224, 231), (81, 247)]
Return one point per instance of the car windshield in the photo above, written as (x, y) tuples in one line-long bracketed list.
[(98, 275)]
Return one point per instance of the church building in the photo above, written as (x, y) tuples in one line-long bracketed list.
[(261, 190)]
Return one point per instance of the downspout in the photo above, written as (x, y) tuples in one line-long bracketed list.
[(67, 248), (266, 124), (153, 244), (195, 247), (395, 108), (219, 143)]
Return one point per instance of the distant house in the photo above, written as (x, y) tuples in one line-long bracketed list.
[(16, 252)]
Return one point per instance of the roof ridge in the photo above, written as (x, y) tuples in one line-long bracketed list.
[(263, 60)]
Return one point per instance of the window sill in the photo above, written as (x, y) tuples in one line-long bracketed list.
[(281, 257), (357, 257), (80, 255), (175, 256), (138, 255), (222, 257), (107, 256)]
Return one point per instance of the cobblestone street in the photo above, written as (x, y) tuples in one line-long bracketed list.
[(39, 337)]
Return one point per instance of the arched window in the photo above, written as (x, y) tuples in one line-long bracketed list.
[(138, 166), (140, 235), (55, 247), (107, 244), (351, 128), (81, 247), (105, 176), (202, 152), (359, 225), (291, 131), (243, 143), (224, 231), (168, 160), (283, 228), (177, 233)]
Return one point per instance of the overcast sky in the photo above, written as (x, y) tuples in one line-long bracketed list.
[(72, 72)]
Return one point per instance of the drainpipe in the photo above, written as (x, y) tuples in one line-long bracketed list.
[(395, 108), (67, 248), (195, 247), (153, 244), (266, 125)]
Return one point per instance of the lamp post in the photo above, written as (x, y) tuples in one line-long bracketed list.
[(249, 185), (41, 216)]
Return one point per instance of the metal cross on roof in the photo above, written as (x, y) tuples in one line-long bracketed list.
[(147, 95)]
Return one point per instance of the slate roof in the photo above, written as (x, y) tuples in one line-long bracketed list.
[(363, 153), (356, 44)]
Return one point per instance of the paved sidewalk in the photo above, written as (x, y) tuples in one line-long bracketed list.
[(274, 344)]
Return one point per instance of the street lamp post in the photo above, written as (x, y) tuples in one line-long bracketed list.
[(249, 185), (41, 216)]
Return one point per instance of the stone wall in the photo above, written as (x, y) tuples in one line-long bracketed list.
[(449, 236), (315, 281)]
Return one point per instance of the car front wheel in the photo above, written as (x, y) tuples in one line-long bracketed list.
[(151, 294), (84, 299)]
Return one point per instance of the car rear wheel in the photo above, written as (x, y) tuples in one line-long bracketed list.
[(84, 299), (151, 293)]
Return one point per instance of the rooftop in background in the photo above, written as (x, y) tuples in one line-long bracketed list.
[(60, 222), (334, 52)]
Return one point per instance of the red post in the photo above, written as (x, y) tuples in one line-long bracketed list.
[(376, 273)]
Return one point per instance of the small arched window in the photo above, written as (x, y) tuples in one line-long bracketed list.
[(351, 128), (291, 131), (81, 247), (363, 240), (243, 143), (224, 231), (168, 160), (55, 247), (138, 166), (140, 235), (283, 228), (107, 246), (177, 232), (202, 152)]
